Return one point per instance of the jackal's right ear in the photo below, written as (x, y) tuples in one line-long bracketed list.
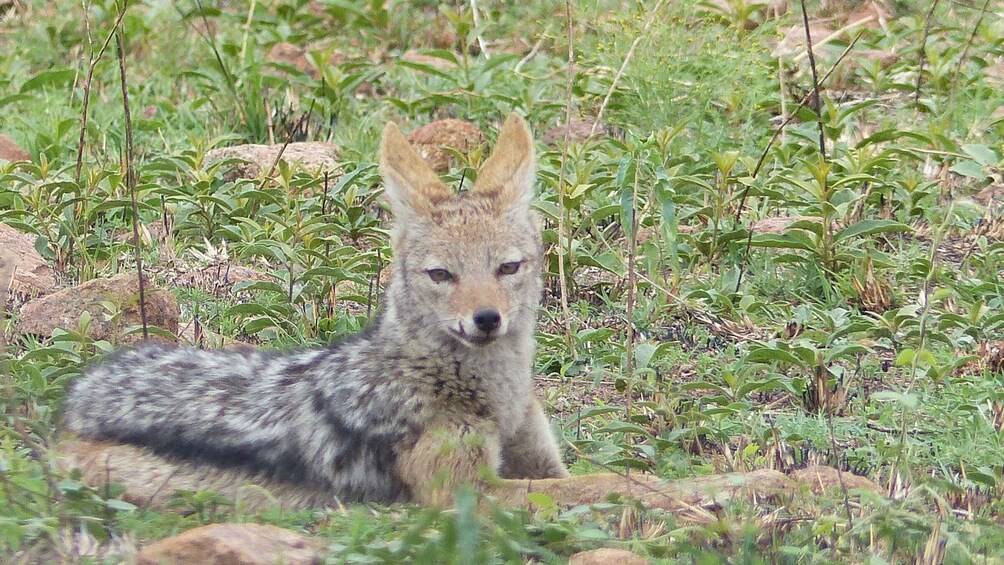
[(508, 174), (410, 185)]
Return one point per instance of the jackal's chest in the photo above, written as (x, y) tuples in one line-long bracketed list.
[(461, 390)]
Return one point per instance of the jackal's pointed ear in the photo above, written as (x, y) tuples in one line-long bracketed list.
[(410, 185), (510, 170)]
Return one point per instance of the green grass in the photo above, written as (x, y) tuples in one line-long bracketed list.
[(740, 338)]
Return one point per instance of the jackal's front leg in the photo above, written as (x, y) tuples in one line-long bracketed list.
[(446, 457), (531, 452)]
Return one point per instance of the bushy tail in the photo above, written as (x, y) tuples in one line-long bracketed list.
[(153, 481)]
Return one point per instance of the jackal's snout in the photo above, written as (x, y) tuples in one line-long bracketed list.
[(487, 320), (483, 326)]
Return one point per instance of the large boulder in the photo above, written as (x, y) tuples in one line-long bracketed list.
[(434, 140), (10, 151), (315, 157), (607, 556), (63, 309), (32, 276), (826, 480)]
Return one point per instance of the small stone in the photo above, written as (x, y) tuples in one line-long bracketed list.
[(607, 556), (233, 544), (291, 55), (821, 479), (437, 32), (317, 157), (438, 63), (63, 309), (775, 225), (155, 231), (431, 141), (578, 131), (991, 195), (10, 151)]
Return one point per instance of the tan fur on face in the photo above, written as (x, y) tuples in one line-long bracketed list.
[(470, 235)]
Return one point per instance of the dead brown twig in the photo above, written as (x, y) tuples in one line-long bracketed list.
[(130, 178)]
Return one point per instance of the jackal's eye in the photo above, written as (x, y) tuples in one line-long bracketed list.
[(509, 268), (440, 275)]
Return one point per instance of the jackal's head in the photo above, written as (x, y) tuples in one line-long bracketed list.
[(468, 265)]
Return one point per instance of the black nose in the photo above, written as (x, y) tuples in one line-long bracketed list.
[(487, 320)]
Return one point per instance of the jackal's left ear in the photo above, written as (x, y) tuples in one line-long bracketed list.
[(510, 170), (409, 184)]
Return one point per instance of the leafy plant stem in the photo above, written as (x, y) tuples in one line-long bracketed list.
[(624, 64), (836, 460), (94, 59), (230, 83), (780, 129), (476, 16), (927, 299), (285, 144), (247, 29)]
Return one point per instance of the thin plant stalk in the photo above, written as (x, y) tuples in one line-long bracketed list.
[(630, 305), (923, 50), (818, 102), (130, 179), (477, 25), (969, 43), (563, 236)]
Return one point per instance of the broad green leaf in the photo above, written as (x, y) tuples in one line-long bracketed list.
[(847, 350), (981, 154), (623, 428), (10, 99), (643, 355), (120, 505), (540, 500), (907, 400), (770, 354), (906, 357), (48, 78), (814, 225), (783, 241), (426, 68), (871, 227), (968, 168)]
